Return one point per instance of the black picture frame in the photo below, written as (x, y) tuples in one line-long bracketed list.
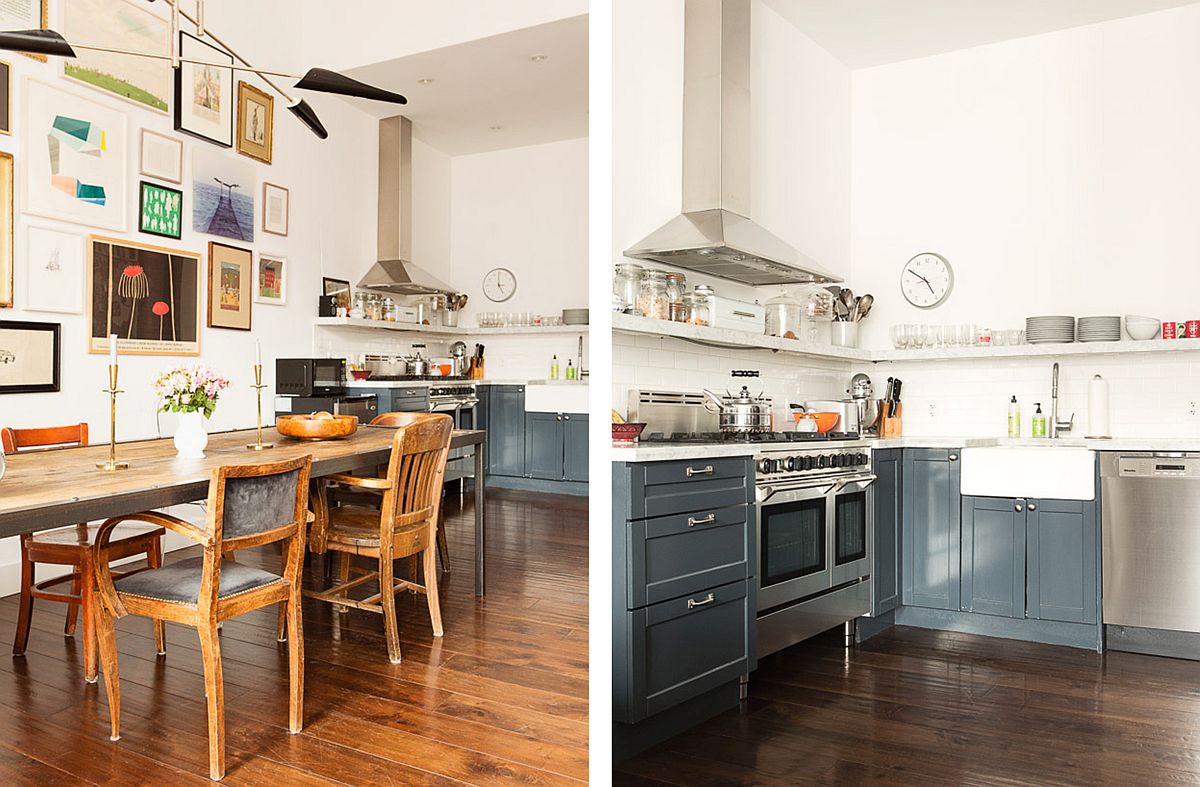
[(211, 55), (51, 386), (142, 188), (336, 287)]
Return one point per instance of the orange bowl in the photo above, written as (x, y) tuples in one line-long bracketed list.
[(825, 421), (305, 427)]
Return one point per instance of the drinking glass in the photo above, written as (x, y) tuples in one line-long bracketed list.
[(934, 336), (1015, 336), (899, 339), (950, 335)]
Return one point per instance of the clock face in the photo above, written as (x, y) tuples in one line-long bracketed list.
[(926, 280), (499, 284)]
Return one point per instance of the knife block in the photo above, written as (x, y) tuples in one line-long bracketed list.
[(475, 371), (892, 426)]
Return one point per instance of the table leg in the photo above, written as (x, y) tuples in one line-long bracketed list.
[(480, 456)]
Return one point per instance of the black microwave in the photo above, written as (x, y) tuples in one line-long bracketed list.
[(310, 376)]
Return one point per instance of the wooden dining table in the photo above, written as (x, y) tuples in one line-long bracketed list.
[(51, 488)]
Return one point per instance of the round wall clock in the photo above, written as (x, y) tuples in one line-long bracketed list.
[(499, 284), (926, 280)]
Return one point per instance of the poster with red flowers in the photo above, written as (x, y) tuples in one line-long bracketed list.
[(149, 296)]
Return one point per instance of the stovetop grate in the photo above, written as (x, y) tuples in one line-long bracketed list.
[(747, 437)]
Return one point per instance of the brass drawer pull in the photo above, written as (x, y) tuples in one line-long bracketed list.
[(706, 470), (693, 521), (693, 603)]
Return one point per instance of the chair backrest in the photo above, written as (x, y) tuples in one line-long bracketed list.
[(417, 466), (250, 505), (14, 440), (398, 419)]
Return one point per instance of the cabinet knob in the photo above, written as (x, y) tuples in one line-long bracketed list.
[(1032, 507), (566, 418), (1018, 508), (953, 457)]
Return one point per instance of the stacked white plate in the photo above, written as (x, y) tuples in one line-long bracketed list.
[(1050, 329), (1098, 329)]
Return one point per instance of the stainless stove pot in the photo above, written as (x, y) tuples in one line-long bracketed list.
[(740, 413)]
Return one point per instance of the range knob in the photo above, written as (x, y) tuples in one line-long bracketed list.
[(806, 462), (766, 466), (860, 459), (822, 461)]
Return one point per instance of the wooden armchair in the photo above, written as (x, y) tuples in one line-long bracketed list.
[(404, 524), (248, 505)]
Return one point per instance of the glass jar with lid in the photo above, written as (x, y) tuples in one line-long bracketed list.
[(695, 308), (652, 298), (784, 316), (676, 286), (359, 310), (627, 283), (389, 310), (374, 307), (817, 303)]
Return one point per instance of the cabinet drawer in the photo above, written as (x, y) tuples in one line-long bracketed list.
[(683, 648), (675, 555), (664, 488)]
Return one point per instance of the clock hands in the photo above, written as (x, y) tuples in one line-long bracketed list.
[(922, 278)]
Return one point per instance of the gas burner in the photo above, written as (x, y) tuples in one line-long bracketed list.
[(416, 378), (747, 437)]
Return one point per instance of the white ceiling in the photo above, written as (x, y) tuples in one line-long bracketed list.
[(865, 33), (492, 82)]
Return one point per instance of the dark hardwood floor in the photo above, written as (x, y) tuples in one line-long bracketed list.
[(500, 699), (913, 706)]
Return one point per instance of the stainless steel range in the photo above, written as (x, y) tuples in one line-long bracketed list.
[(814, 536)]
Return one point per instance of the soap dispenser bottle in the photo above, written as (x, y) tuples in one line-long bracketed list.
[(1039, 421), (554, 367), (570, 370), (1014, 418)]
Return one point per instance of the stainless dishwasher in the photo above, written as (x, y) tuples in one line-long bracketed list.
[(1150, 520)]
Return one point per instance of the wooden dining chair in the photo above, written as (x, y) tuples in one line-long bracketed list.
[(403, 524), (72, 546), (248, 506)]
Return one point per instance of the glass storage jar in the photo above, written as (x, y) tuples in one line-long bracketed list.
[(374, 307), (817, 311), (652, 299), (710, 299), (784, 317), (627, 283), (359, 310), (389, 310), (695, 309), (676, 286)]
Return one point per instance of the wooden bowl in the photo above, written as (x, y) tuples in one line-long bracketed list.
[(305, 427)]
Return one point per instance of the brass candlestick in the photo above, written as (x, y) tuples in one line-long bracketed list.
[(258, 386), (112, 391)]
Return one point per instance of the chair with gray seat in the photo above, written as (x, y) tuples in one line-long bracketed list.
[(248, 506)]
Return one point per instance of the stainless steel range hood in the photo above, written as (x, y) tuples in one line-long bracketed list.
[(714, 235), (395, 271)]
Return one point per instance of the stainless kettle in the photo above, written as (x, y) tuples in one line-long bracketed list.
[(740, 413)]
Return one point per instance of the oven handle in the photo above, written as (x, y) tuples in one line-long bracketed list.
[(764, 493)]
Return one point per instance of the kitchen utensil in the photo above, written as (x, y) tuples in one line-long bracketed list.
[(417, 366), (740, 413), (863, 307), (840, 312), (844, 334), (450, 318), (896, 396), (846, 296), (308, 427), (626, 433), (845, 409)]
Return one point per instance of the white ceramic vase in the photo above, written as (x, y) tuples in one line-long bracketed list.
[(190, 436)]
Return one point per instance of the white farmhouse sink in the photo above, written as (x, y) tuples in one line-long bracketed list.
[(556, 397), (1050, 472)]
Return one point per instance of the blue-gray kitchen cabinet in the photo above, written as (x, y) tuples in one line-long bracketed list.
[(506, 430), (885, 574), (993, 556), (930, 537), (1063, 569), (544, 446), (575, 447)]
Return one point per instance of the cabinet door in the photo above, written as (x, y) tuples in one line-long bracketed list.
[(544, 446), (885, 574), (993, 556), (575, 447), (506, 430), (1063, 570), (930, 537)]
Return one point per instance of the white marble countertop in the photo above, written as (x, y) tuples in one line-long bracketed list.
[(666, 452), (368, 383)]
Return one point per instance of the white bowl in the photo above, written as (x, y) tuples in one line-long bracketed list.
[(1141, 328)]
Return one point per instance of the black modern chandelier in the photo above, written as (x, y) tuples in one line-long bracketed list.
[(318, 80)]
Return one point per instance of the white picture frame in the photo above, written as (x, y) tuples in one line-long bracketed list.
[(55, 270), (83, 165), (129, 25), (267, 264), (160, 157), (276, 206)]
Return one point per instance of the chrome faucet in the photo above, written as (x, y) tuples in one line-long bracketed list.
[(1056, 425)]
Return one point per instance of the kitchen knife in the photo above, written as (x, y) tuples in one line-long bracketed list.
[(887, 397), (896, 395)]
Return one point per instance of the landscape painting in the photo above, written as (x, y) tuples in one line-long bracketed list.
[(223, 189), (119, 24), (75, 156), (148, 295)]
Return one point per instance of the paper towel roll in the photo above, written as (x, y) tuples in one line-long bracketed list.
[(1098, 407)]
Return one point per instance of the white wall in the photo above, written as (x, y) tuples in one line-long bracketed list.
[(1058, 174)]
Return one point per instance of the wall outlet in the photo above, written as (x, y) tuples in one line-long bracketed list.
[(1192, 409), (932, 411)]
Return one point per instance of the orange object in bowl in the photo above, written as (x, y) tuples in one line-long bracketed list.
[(825, 421), (444, 368)]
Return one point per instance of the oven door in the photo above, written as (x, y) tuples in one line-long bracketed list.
[(794, 558), (853, 526)]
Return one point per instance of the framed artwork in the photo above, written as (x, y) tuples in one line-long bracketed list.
[(204, 93), (270, 285), (25, 15), (75, 165), (223, 195), (54, 272), (30, 357), (256, 122), (148, 295), (125, 25), (161, 211), (337, 287), (5, 97), (161, 157), (230, 279), (6, 230), (276, 204)]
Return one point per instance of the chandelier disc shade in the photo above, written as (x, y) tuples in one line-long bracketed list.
[(323, 80)]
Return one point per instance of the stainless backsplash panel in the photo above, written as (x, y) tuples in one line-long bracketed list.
[(671, 411)]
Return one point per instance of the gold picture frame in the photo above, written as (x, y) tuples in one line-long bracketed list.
[(6, 231), (6, 99), (230, 286), (14, 21), (255, 123)]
